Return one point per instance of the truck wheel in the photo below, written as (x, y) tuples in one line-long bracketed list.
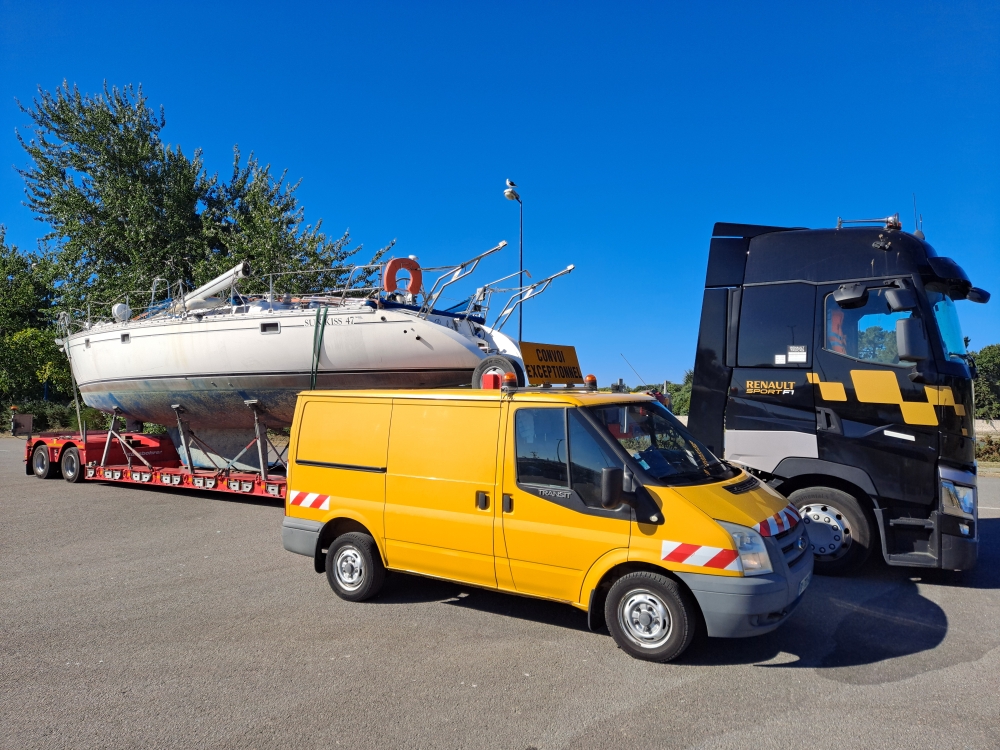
[(70, 465), (650, 616), (497, 365), (40, 464), (840, 530), (354, 567)]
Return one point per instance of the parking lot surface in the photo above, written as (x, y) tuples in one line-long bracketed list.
[(150, 618)]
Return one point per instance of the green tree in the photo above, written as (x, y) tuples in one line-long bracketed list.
[(125, 208), (29, 356), (987, 383), (876, 344)]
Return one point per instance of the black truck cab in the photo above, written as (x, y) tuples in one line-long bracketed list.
[(831, 363)]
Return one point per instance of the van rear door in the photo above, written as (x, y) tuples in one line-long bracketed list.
[(440, 485)]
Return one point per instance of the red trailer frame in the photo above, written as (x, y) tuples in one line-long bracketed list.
[(141, 459)]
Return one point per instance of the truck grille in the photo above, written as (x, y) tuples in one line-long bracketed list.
[(788, 541)]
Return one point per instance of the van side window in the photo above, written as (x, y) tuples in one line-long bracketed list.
[(867, 333), (540, 437), (587, 459), (776, 325)]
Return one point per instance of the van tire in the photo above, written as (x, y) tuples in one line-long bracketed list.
[(354, 567), (842, 509), (41, 465), (641, 606), (500, 364)]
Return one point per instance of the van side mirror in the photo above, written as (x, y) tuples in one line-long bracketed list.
[(850, 296), (901, 300), (613, 494), (911, 341)]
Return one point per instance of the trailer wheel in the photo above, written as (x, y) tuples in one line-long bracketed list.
[(354, 567), (840, 530), (41, 465), (650, 616), (498, 364), (70, 465)]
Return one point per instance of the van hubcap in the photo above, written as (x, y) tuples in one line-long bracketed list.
[(350, 568), (829, 530), (644, 618)]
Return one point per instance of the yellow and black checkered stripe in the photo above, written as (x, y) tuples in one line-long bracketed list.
[(881, 387)]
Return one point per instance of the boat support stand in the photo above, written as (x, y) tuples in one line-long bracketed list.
[(113, 433)]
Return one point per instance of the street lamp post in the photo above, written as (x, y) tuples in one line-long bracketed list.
[(511, 194)]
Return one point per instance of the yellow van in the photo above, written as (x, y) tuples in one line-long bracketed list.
[(601, 500)]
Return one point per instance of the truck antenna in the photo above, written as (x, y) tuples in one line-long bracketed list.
[(642, 381)]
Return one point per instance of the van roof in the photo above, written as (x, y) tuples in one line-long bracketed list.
[(555, 395)]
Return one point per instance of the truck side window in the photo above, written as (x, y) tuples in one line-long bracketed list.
[(540, 438), (587, 458), (867, 333), (776, 325)]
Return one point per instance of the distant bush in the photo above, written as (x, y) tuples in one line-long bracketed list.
[(988, 448), (52, 415)]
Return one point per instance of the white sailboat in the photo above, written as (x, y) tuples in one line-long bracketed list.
[(205, 356)]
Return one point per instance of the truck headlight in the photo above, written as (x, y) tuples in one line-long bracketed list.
[(751, 549), (957, 499)]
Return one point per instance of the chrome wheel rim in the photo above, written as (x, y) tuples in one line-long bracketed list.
[(69, 466), (349, 568), (829, 530), (39, 463), (644, 619)]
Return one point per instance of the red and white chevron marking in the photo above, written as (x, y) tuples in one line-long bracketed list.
[(701, 555), (783, 520), (309, 500)]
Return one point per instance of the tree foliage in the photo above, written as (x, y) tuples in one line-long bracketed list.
[(124, 208), (987, 383), (29, 357)]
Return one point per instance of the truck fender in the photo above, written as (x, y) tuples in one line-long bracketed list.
[(789, 468)]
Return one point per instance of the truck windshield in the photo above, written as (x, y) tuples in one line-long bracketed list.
[(946, 317), (661, 445)]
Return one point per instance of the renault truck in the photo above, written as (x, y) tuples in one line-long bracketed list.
[(831, 364)]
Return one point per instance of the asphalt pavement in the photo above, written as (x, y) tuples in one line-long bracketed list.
[(155, 619)]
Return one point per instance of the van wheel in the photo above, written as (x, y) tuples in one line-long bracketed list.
[(498, 364), (650, 616), (41, 465), (70, 465), (840, 530), (354, 567)]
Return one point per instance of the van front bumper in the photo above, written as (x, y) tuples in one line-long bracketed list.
[(753, 605), (300, 535)]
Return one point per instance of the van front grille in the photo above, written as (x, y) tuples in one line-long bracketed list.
[(791, 549)]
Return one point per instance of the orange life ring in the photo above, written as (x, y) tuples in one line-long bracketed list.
[(394, 266)]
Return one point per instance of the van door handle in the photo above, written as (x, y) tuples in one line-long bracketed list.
[(482, 500), (508, 503)]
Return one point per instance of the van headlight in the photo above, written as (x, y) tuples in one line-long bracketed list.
[(751, 548), (957, 499)]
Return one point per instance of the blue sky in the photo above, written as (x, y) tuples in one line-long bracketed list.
[(629, 128)]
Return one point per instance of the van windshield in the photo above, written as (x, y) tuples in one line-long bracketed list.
[(660, 443)]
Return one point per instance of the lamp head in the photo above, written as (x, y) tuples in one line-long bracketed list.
[(511, 195)]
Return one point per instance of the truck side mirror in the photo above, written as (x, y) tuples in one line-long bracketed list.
[(911, 341), (901, 300), (978, 295), (850, 296)]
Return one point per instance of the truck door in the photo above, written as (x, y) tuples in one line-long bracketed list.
[(869, 413), (769, 414), (439, 489), (554, 526)]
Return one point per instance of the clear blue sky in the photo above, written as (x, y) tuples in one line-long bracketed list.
[(630, 129)]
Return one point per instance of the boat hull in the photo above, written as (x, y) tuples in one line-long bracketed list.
[(210, 365)]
